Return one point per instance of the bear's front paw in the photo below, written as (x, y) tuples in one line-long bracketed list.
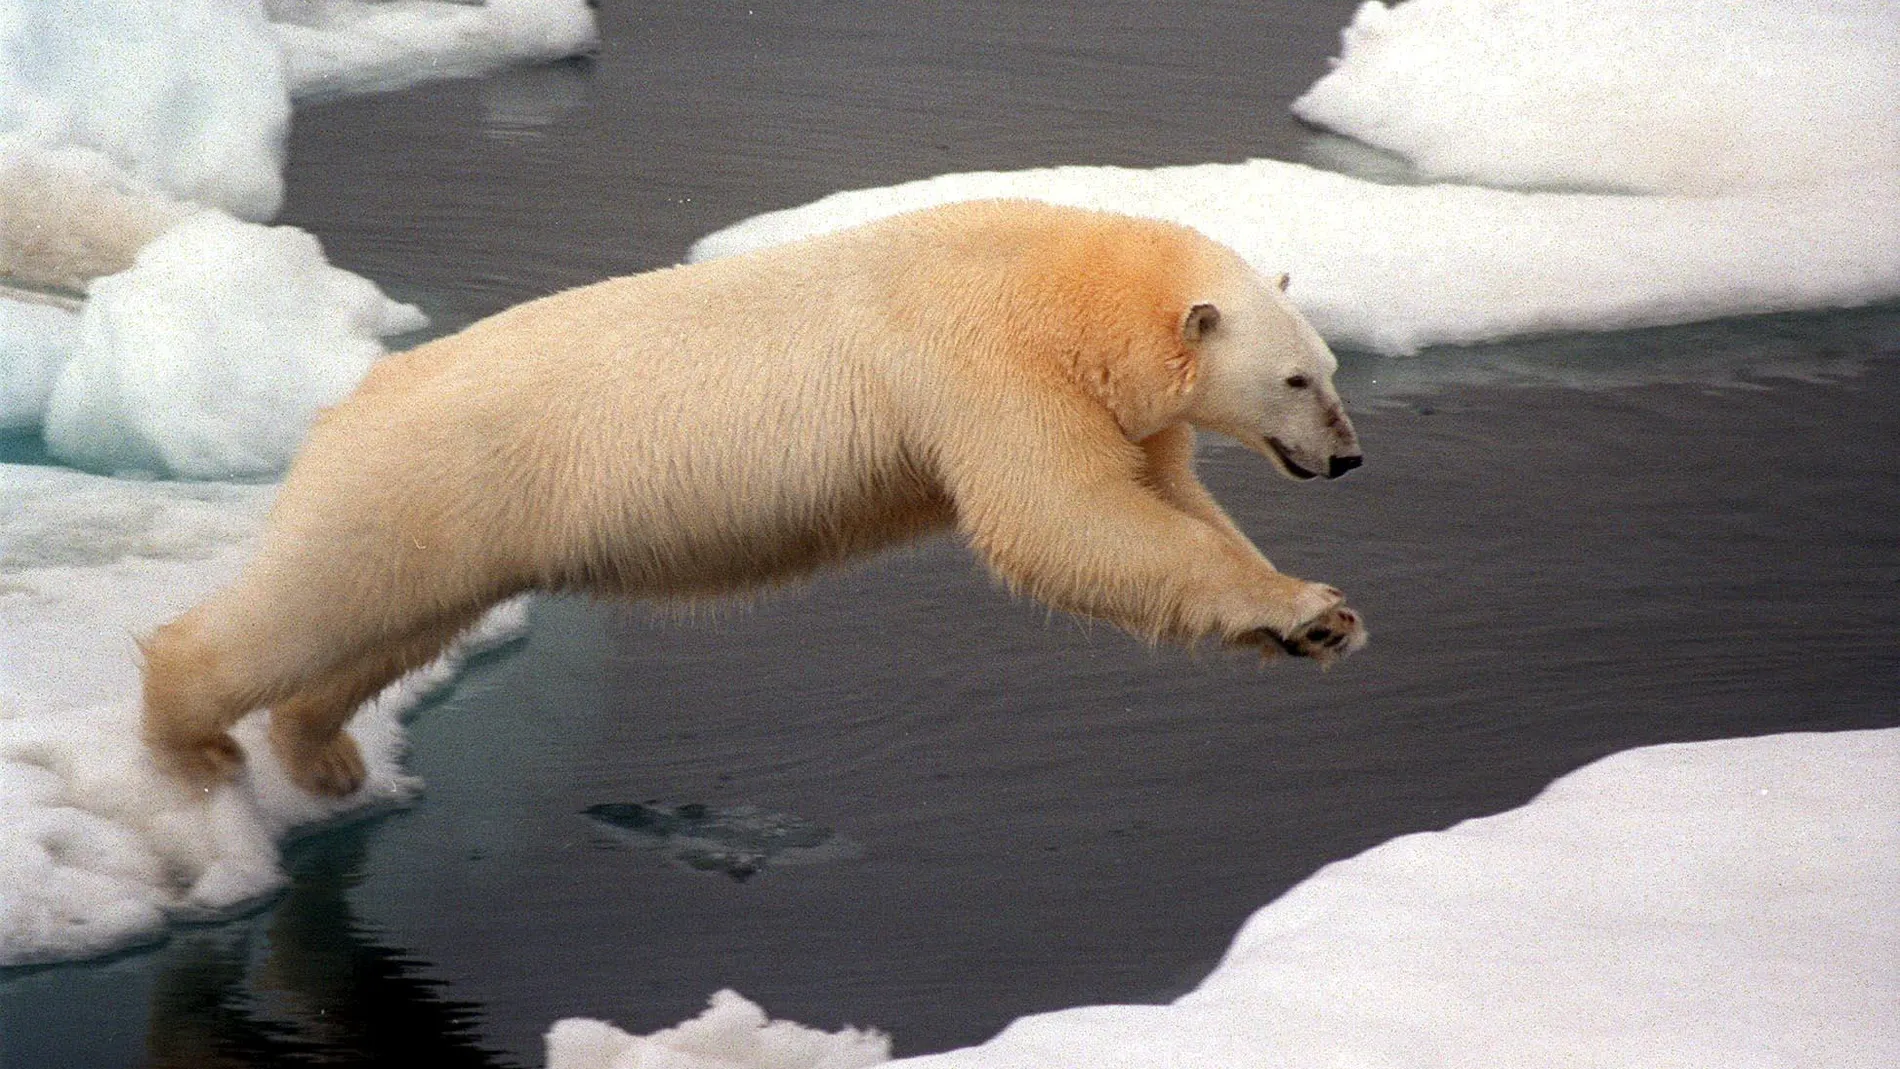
[(1327, 637), (1330, 633)]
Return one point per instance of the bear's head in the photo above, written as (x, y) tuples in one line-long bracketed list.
[(1263, 376)]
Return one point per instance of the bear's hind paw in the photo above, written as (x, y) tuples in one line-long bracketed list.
[(330, 769), (202, 763)]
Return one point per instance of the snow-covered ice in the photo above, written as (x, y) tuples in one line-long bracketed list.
[(205, 355), (347, 46), (201, 345), (1732, 903), (205, 345), (197, 103), (193, 103)]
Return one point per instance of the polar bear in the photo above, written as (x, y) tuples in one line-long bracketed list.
[(1027, 374)]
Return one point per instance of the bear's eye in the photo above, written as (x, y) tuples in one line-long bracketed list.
[(1298, 382)]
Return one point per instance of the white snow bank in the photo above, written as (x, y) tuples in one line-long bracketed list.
[(1732, 903), (732, 1034), (98, 850), (209, 358), (1395, 268), (1662, 96), (35, 342), (193, 102), (338, 46)]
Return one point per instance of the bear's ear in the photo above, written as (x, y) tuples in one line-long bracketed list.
[(1199, 320), (1283, 281)]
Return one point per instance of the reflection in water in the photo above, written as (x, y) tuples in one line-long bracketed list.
[(308, 984), (520, 104)]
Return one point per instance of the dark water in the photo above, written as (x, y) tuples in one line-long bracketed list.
[(1565, 548)]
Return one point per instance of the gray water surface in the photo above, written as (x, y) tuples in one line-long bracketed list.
[(1565, 547)]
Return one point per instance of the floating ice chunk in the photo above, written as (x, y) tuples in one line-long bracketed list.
[(35, 342), (98, 850), (1396, 268), (1647, 95), (337, 46), (193, 102), (210, 356), (733, 1033)]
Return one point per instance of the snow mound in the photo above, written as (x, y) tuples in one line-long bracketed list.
[(38, 340), (732, 1034), (211, 355), (1658, 96)]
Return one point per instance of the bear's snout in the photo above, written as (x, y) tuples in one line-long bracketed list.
[(1343, 464)]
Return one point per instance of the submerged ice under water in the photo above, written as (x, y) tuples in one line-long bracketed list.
[(738, 841)]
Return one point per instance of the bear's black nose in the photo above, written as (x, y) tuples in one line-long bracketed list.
[(1342, 465)]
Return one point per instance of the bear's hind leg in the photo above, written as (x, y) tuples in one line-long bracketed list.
[(306, 729), (191, 700)]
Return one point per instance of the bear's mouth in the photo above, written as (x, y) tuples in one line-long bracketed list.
[(1285, 457)]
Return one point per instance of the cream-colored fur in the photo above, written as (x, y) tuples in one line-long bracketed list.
[(1024, 373)]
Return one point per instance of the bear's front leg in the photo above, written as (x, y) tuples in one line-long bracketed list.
[(1072, 523)]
